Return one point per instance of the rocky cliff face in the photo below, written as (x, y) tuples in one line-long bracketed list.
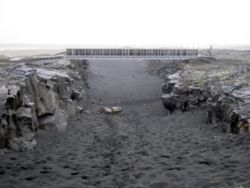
[(38, 94), (220, 86)]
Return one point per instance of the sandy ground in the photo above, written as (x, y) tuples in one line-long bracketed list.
[(142, 147)]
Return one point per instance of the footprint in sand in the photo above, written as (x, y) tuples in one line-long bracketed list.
[(159, 185)]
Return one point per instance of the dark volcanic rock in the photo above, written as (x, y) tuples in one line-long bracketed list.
[(33, 97), (222, 87)]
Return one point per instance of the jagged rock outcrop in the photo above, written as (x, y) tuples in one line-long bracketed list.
[(178, 95), (18, 119), (3, 122), (36, 97), (220, 87)]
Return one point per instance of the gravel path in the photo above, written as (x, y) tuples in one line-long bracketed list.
[(141, 147)]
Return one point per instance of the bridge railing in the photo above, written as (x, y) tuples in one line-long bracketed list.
[(132, 52)]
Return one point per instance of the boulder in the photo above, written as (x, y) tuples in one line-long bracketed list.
[(69, 106), (169, 101), (21, 144), (57, 121), (21, 120), (111, 110), (3, 133), (43, 94), (3, 122)]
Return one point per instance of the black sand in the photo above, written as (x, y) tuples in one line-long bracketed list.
[(142, 147)]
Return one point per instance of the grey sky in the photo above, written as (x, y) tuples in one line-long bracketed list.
[(125, 22)]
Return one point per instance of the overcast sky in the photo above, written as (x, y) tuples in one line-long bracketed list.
[(125, 22)]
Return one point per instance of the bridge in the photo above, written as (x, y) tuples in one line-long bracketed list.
[(128, 53)]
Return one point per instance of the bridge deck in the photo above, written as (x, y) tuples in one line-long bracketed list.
[(131, 57)]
